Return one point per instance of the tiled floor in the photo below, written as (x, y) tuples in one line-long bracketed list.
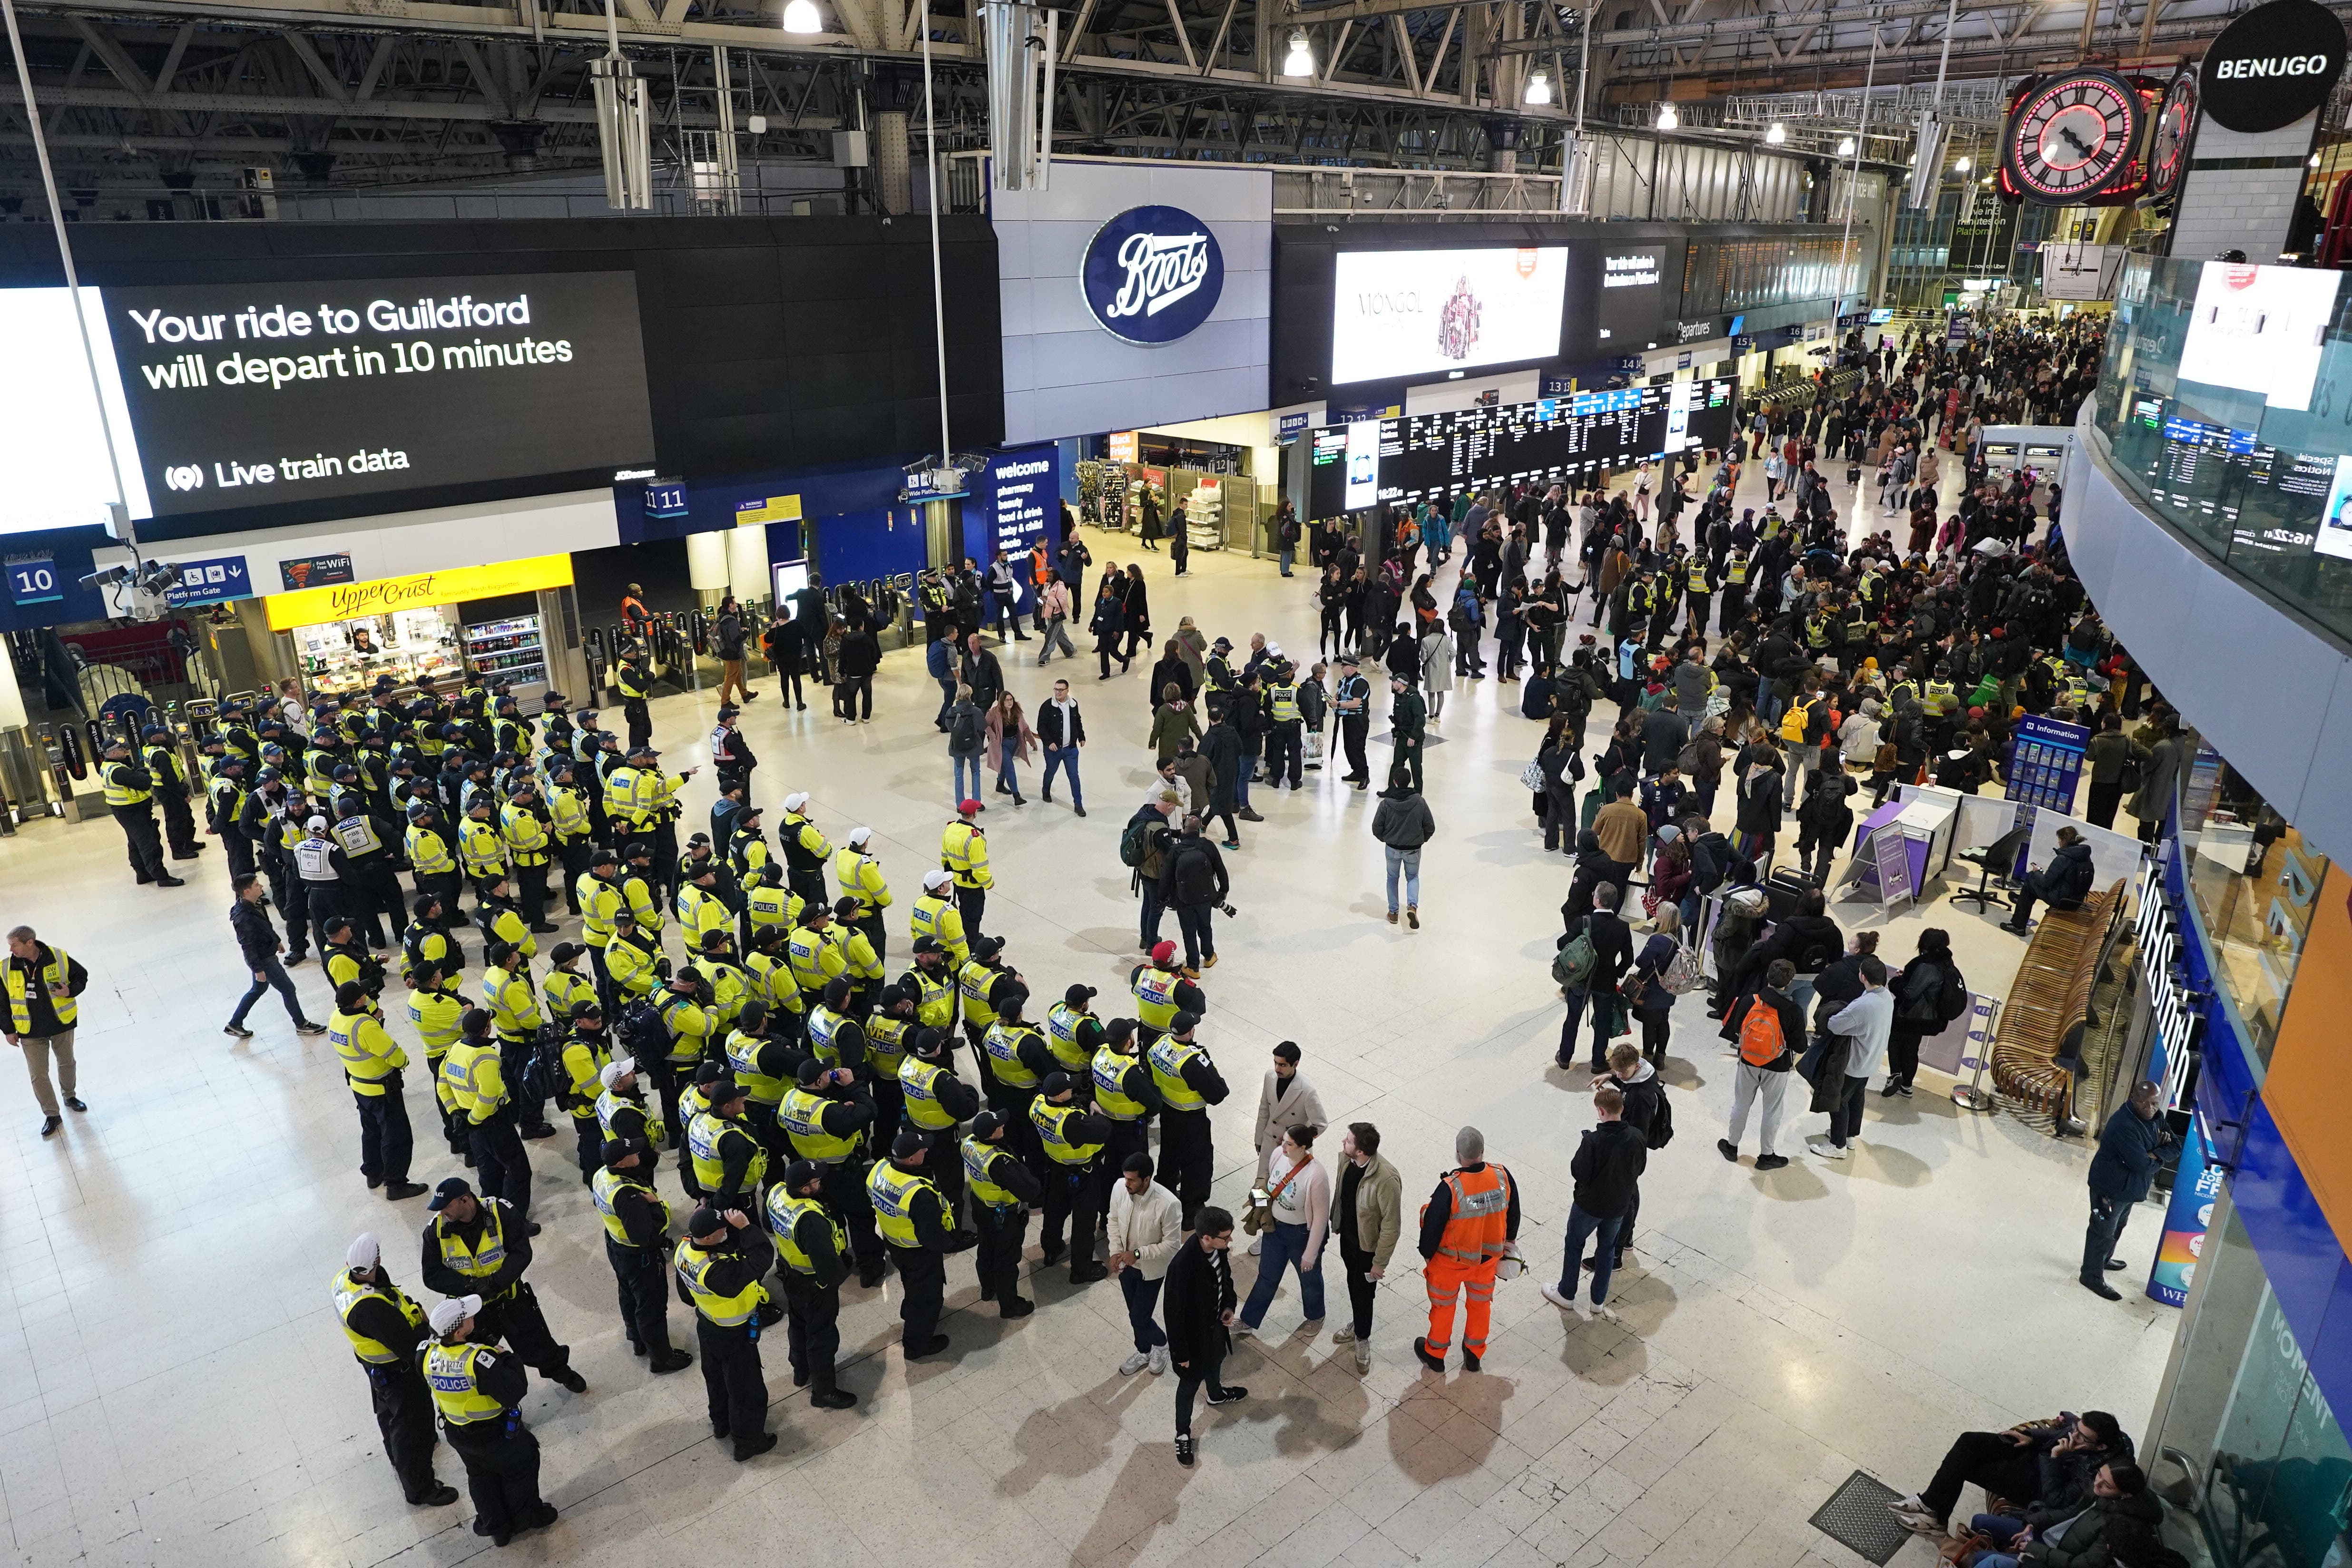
[(173, 1389)]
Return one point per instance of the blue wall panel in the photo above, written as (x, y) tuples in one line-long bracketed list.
[(857, 546)]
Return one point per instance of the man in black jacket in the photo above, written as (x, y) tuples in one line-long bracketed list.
[(1194, 883), (257, 942), (1808, 940), (1613, 950), (983, 673), (2121, 1173), (2063, 884), (1607, 1167), (1062, 730)]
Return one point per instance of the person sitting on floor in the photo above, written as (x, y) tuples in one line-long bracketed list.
[(2052, 1463), (2074, 1536)]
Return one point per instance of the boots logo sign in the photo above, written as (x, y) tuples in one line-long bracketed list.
[(1151, 275)]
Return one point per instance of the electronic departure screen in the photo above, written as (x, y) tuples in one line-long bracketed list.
[(1420, 457), (2214, 479)]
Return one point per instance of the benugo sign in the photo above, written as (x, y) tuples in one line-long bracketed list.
[(348, 600)]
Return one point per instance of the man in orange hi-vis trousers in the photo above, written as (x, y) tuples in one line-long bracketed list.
[(1466, 1227)]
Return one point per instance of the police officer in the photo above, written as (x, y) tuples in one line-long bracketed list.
[(765, 1065), (805, 850), (477, 1088), (1353, 703), (719, 1265), (162, 765), (1189, 1084), (1162, 992), (479, 1395), (431, 863), (225, 796), (586, 1048), (827, 1122), (385, 1329), (1124, 1092), (529, 850), (131, 797), (857, 872), (344, 959), (371, 1061), (1014, 1060), (1072, 1138), (936, 1102), (438, 1013), (963, 855), (516, 1019), (1001, 1188), (634, 676), (731, 1164), (812, 1260), (483, 1246), (570, 825), (935, 918), (1073, 1032), (636, 1244), (370, 883), (480, 847), (428, 940), (1284, 754), (600, 898), (981, 982), (621, 1112), (915, 1222)]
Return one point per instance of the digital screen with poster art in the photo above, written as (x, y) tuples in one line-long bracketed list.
[(1397, 314)]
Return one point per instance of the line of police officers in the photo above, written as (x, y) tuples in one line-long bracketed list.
[(815, 1111)]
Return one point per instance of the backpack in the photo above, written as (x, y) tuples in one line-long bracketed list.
[(1686, 760), (968, 732), (1792, 724), (643, 1031), (1681, 975), (1819, 721), (1923, 994), (1135, 840), (1573, 964), (1195, 883), (1661, 1120), (1763, 1041)]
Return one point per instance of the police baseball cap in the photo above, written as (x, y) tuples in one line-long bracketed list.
[(604, 857), (908, 1143), (1078, 995), (1120, 1029), (1349, 658), (1056, 1083), (637, 849), (927, 944), (987, 946), (801, 1173), (587, 1007), (809, 1071), (450, 1187), (619, 1149), (986, 1124), (616, 1069), (350, 994), (726, 1091), (447, 1315), (706, 1221), (1182, 1022)]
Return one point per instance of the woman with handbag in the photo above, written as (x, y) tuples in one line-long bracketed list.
[(1293, 1218)]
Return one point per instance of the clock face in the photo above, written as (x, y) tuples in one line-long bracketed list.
[(2071, 136), (2176, 117)]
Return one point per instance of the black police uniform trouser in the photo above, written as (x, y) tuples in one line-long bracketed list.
[(501, 1168), (1126, 1138), (403, 1415), (664, 836), (501, 1460), (922, 1281), (811, 1329), (516, 1318), (323, 902), (240, 851), (531, 883), (876, 933), (641, 723), (145, 847), (574, 856), (641, 1278), (1074, 1193), (282, 883), (1284, 754), (733, 1381), (376, 895), (179, 826), (945, 1162), (1353, 729), (1004, 1229), (845, 1194), (514, 1065), (588, 1140), (385, 1140), (456, 1131), (1185, 1159), (971, 903)]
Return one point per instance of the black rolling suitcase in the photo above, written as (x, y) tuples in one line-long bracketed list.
[(1786, 889)]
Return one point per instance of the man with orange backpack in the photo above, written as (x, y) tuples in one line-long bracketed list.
[(1468, 1226), (1770, 1029)]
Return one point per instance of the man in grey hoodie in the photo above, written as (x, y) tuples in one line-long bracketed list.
[(1403, 824)]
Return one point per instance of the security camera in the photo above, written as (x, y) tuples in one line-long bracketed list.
[(107, 577)]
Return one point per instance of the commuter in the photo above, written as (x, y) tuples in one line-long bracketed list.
[(1367, 1215), (1607, 1170)]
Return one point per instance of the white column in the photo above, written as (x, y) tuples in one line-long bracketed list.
[(706, 562), (747, 561)]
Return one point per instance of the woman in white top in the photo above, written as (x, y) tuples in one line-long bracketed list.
[(1300, 1194)]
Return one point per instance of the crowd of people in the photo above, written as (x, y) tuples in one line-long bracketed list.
[(828, 1121)]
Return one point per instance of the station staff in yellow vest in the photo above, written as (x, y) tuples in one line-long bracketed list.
[(916, 1225), (636, 1244), (371, 1061), (858, 874), (386, 1330), (719, 1266), (963, 855), (43, 983), (812, 1260), (480, 1244), (936, 917), (479, 1392)]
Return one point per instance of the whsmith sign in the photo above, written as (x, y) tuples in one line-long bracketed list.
[(1152, 275), (2273, 66)]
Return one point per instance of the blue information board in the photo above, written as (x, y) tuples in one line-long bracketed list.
[(2045, 766)]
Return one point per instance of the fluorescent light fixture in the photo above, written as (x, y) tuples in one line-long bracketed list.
[(1960, 166), (800, 16), (1667, 119), (1540, 90), (1845, 147), (1300, 61), (1775, 134)]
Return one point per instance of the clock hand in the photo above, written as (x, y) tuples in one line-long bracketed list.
[(2079, 146)]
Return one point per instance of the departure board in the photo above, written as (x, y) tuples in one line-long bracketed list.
[(1575, 438), (2222, 482)]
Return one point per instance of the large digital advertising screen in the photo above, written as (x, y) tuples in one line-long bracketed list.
[(1399, 313), (2260, 329), (224, 396)]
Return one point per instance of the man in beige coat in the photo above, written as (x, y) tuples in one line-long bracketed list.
[(1284, 1102), (1367, 1215)]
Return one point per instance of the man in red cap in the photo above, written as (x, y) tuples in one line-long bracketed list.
[(964, 854), (1162, 992)]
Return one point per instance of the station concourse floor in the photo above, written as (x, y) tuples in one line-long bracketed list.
[(175, 1389)]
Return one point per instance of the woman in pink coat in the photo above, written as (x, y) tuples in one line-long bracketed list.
[(1011, 741)]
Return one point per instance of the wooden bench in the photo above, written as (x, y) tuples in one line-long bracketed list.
[(2051, 995)]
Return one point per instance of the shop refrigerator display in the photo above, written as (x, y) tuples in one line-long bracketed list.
[(341, 658), (508, 650), (1204, 515)]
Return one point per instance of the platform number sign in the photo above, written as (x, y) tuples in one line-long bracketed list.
[(33, 579)]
